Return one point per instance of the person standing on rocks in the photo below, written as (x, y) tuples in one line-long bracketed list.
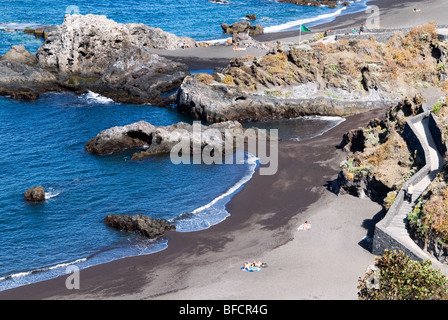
[(409, 192)]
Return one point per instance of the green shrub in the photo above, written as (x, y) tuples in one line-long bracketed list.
[(400, 278), (389, 200)]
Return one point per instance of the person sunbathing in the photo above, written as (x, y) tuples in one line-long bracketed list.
[(304, 226), (248, 266), (258, 264)]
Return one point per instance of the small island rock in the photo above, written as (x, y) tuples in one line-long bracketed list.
[(35, 194)]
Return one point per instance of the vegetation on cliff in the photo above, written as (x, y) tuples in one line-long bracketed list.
[(428, 221), (396, 277), (379, 159), (346, 68)]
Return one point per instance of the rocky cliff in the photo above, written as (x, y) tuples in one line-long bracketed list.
[(341, 78), (21, 78), (90, 52), (379, 160)]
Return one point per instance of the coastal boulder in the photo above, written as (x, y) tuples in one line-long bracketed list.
[(35, 194), (24, 82), (118, 139), (137, 76), (20, 55), (151, 140), (141, 224), (242, 27)]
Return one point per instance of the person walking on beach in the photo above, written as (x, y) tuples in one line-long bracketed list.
[(361, 29), (409, 192)]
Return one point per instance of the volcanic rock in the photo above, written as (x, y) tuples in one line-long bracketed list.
[(141, 224), (35, 194)]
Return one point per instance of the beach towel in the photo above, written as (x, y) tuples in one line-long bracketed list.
[(302, 227), (251, 269)]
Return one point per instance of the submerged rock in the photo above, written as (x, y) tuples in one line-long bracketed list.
[(35, 194), (141, 224)]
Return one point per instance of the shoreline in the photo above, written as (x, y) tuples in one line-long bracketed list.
[(392, 15), (263, 217)]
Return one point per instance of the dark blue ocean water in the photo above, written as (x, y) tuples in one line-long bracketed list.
[(43, 144)]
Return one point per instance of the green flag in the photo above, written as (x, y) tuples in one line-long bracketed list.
[(303, 28)]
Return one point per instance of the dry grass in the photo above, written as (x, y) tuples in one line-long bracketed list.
[(275, 63), (205, 78), (228, 79)]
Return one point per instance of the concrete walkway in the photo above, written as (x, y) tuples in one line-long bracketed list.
[(399, 223)]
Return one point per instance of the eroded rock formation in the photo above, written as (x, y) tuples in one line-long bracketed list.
[(379, 160), (141, 224), (157, 140), (90, 52), (341, 78)]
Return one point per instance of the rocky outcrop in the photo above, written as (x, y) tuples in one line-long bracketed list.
[(136, 76), (341, 78), (141, 224), (242, 27), (21, 79), (379, 160), (156, 140), (218, 102), (19, 54), (94, 53), (89, 44), (35, 194)]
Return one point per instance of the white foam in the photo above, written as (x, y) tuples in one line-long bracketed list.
[(18, 26), (51, 194), (27, 273), (211, 214), (334, 119), (96, 98), (326, 118), (297, 23)]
